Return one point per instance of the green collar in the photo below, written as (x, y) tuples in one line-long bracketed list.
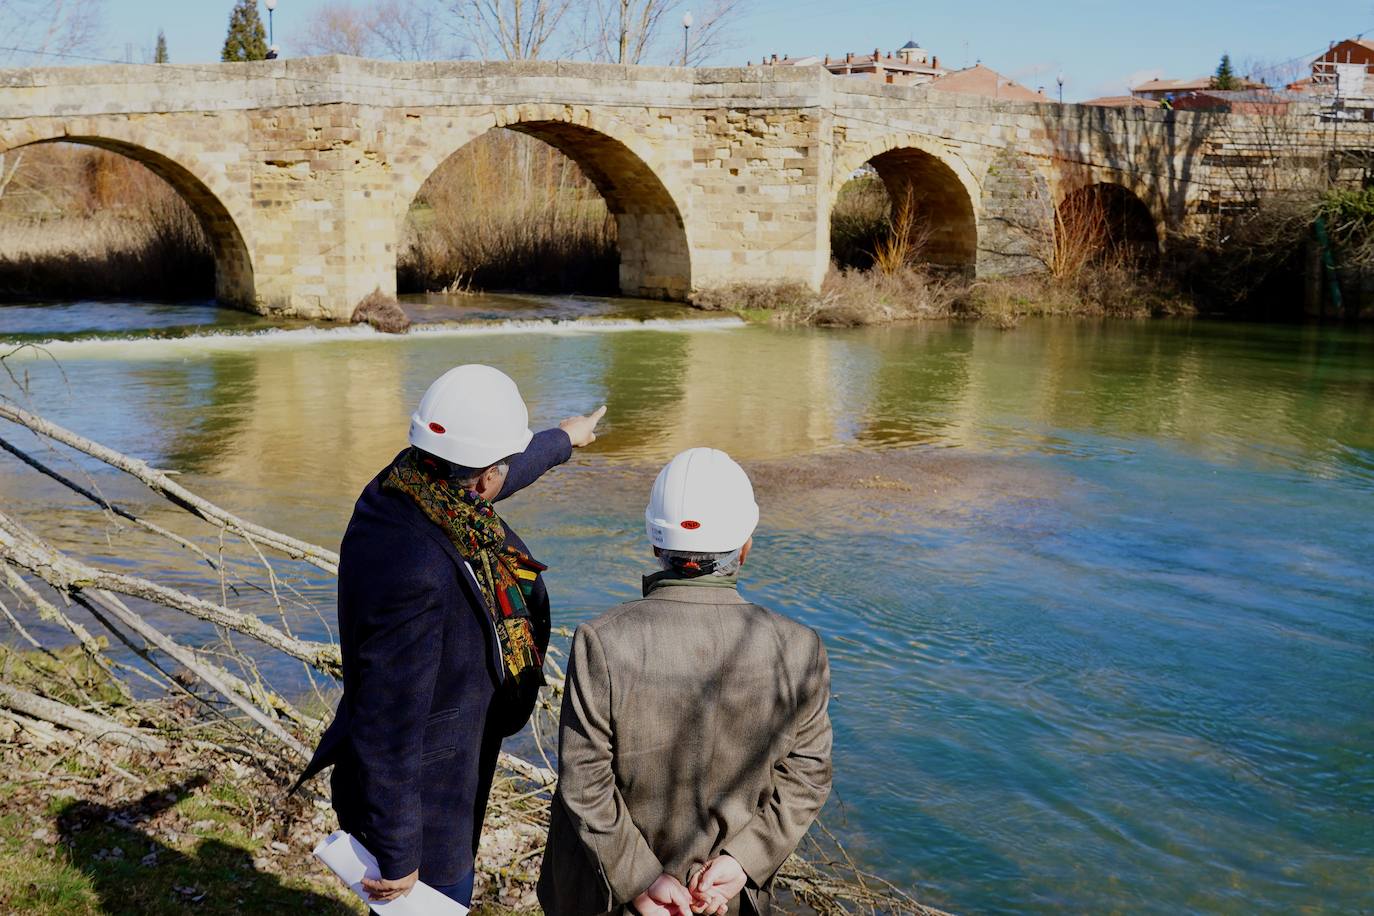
[(669, 577)]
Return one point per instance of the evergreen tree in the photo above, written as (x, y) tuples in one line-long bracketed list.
[(1225, 78), (247, 39), (160, 55)]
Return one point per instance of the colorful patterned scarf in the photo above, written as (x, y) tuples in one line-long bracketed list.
[(505, 575)]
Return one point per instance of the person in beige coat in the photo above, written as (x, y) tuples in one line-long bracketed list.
[(694, 745)]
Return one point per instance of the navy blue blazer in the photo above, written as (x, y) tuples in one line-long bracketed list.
[(416, 736)]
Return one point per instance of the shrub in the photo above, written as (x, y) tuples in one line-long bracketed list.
[(859, 221), (382, 312)]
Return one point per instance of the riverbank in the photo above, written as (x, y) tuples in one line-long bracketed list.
[(145, 802), (859, 298), (198, 817), (187, 808)]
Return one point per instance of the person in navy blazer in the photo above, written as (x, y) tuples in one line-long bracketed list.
[(429, 659)]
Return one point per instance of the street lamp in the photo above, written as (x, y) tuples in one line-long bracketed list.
[(686, 30), (271, 33), (1060, 80)]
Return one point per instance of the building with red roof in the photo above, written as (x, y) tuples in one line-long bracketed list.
[(980, 80), (1122, 101), (909, 65), (1160, 89), (1343, 79)]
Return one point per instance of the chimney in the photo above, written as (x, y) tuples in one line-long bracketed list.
[(935, 63), (774, 60), (877, 54), (849, 57), (827, 60)]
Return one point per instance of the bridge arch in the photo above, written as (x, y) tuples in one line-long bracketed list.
[(206, 193), (939, 185), (1106, 218), (651, 228)]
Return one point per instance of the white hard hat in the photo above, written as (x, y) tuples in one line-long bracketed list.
[(472, 416), (702, 502)]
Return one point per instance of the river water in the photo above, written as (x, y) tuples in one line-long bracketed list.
[(1098, 596)]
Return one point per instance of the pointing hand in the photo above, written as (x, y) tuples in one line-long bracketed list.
[(582, 430)]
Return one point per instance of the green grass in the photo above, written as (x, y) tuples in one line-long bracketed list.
[(107, 860)]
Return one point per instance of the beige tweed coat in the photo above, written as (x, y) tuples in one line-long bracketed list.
[(693, 723)]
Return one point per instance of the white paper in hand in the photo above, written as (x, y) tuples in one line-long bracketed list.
[(351, 861)]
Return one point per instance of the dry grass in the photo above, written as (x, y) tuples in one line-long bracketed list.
[(901, 248), (859, 222), (904, 292), (1110, 290), (104, 829), (84, 223), (848, 298), (854, 298), (509, 212), (164, 255), (1082, 237)]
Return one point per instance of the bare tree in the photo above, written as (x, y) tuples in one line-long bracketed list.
[(1276, 73), (413, 30), (512, 29), (645, 31), (45, 29), (337, 28), (398, 29)]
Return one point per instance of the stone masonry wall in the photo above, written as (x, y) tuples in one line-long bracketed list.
[(303, 170)]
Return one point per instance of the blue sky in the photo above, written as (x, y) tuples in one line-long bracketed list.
[(1100, 47)]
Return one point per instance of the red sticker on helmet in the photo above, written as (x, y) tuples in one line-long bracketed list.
[(691, 525), (436, 428)]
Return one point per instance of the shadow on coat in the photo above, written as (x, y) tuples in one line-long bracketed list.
[(133, 872)]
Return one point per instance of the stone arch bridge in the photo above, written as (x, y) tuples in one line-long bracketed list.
[(303, 171)]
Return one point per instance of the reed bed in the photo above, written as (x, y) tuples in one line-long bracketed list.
[(509, 212), (82, 223), (163, 256)]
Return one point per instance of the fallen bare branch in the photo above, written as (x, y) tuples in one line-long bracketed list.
[(26, 551), (37, 707), (104, 503), (185, 657), (159, 482)]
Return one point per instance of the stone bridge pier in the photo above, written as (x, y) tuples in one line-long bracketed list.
[(303, 171)]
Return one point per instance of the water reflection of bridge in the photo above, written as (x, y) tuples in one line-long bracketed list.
[(309, 420)]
